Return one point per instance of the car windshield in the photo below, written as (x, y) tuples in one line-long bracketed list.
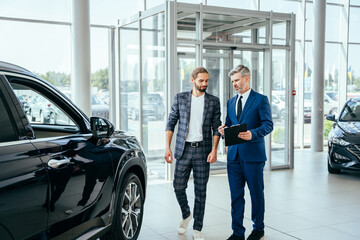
[(351, 112)]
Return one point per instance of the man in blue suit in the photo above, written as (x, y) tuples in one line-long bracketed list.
[(197, 139), (245, 161)]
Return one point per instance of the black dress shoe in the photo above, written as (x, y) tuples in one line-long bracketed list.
[(256, 235), (234, 237)]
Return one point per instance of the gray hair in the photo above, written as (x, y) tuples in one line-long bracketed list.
[(243, 70)]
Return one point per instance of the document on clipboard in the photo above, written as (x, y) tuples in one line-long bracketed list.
[(231, 134)]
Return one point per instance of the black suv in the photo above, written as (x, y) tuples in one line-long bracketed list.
[(75, 178)]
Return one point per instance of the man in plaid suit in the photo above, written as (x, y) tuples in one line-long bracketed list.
[(197, 139)]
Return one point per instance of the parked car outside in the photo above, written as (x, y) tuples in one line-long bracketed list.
[(99, 108), (333, 95), (278, 105), (153, 106), (344, 138), (80, 181), (330, 106), (103, 95), (24, 103)]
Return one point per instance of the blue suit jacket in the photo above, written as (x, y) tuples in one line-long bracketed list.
[(257, 115), (180, 111)]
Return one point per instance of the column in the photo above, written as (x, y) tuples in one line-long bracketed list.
[(317, 110), (81, 73)]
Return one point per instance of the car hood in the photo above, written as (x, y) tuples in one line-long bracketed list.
[(349, 131)]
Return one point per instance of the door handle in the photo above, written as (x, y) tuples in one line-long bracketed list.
[(54, 163)]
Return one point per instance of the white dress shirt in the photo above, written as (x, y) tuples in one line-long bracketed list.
[(245, 96)]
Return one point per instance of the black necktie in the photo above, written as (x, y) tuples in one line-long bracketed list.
[(239, 108)]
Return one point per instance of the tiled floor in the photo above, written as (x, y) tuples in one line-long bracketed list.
[(303, 203)]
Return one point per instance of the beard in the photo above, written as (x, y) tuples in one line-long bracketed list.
[(203, 89)]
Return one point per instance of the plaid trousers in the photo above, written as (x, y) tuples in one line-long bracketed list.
[(193, 158)]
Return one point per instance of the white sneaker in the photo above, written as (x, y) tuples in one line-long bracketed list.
[(197, 235), (183, 225)]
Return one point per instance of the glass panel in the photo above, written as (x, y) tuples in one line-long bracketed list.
[(255, 62), (298, 80), (331, 81), (230, 29), (334, 25), (186, 58), (245, 4), (153, 3), (46, 52), (39, 109), (108, 12), (186, 26), (279, 109), (335, 1), (309, 66), (309, 26), (100, 72), (56, 10), (355, 2), (284, 6), (263, 37), (217, 62), (354, 23), (353, 73), (188, 1), (129, 79), (279, 32), (153, 90)]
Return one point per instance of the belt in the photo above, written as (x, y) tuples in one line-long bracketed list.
[(194, 144)]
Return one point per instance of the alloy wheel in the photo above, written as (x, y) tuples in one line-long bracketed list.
[(131, 209)]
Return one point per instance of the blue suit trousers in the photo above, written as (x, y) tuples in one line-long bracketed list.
[(239, 173)]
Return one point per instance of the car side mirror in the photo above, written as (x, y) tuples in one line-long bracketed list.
[(101, 127), (331, 117)]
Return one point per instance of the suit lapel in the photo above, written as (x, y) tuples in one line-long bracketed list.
[(188, 108), (248, 104), (206, 107), (232, 112)]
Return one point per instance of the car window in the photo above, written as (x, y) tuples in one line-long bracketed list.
[(351, 112), (7, 130), (39, 109)]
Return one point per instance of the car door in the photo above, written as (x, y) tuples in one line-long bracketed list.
[(23, 178), (77, 165)]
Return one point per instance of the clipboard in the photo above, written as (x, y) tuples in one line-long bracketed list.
[(231, 134)]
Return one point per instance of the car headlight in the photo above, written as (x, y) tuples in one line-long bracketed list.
[(340, 141)]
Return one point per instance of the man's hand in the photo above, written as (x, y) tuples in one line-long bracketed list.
[(221, 129), (212, 157), (168, 156), (245, 135)]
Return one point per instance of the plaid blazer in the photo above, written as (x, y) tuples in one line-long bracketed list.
[(180, 111)]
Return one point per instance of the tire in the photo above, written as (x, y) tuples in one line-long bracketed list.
[(331, 169), (127, 221)]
